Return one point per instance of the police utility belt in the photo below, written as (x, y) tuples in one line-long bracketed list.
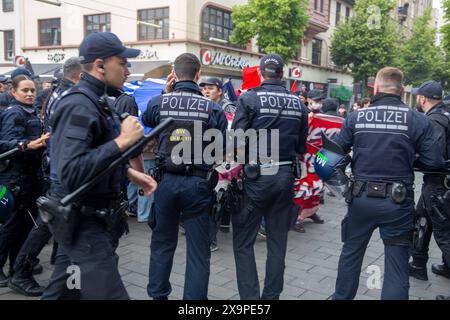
[(254, 171), (398, 192), (65, 220)]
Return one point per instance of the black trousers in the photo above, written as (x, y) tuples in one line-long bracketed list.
[(440, 229), (91, 264), (270, 197)]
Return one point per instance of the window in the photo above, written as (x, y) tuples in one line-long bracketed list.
[(316, 5), (50, 32), (9, 44), (8, 5), (347, 13), (217, 26), (338, 12), (316, 51), (97, 23), (158, 16)]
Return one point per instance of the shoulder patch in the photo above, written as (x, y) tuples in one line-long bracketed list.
[(79, 121)]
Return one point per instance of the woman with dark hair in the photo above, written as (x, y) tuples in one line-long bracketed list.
[(20, 175)]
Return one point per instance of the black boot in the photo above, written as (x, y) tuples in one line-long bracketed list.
[(24, 283), (417, 272), (441, 270), (3, 279)]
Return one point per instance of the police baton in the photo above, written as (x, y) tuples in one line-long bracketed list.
[(121, 160), (9, 154)]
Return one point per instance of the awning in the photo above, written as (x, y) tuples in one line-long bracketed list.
[(141, 70), (43, 70)]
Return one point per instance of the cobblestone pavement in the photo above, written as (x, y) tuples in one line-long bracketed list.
[(311, 263)]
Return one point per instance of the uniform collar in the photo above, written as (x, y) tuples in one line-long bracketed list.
[(187, 85), (29, 108), (97, 86), (385, 99), (272, 82), (436, 107)]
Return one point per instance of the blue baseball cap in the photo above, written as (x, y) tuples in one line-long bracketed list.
[(21, 72), (102, 45), (430, 89), (272, 63)]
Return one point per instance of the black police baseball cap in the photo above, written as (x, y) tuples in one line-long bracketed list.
[(3, 78), (213, 82), (329, 104), (21, 72), (102, 45), (430, 89), (272, 63), (316, 95)]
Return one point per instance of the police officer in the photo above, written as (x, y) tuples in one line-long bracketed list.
[(86, 137), (6, 97), (429, 101), (385, 138), (22, 280), (20, 174), (184, 188), (269, 192), (3, 84)]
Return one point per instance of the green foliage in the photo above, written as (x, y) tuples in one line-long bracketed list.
[(366, 43), (446, 28), (419, 57), (278, 25)]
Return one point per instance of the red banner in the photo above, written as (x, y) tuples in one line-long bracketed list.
[(308, 190)]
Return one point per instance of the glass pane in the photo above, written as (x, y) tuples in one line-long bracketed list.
[(219, 18), (206, 15)]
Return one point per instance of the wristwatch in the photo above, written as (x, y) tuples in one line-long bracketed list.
[(23, 145)]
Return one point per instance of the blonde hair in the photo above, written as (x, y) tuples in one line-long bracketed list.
[(390, 80)]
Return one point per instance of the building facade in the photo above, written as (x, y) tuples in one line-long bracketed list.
[(48, 35)]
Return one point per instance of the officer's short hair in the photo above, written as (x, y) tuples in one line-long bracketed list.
[(270, 74), (72, 68), (390, 79), (186, 66)]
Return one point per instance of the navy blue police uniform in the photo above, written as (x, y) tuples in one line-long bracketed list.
[(270, 195), (82, 145), (20, 123), (385, 138), (22, 280), (183, 190), (434, 186)]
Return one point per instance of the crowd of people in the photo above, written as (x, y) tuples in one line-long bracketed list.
[(71, 131)]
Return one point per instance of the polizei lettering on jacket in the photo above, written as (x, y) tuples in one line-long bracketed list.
[(185, 104), (383, 117), (272, 102)]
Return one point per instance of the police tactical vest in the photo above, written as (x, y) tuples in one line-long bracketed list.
[(445, 111), (110, 129), (26, 162), (280, 110), (383, 148), (192, 113)]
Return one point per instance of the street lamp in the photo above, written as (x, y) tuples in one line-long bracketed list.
[(57, 3)]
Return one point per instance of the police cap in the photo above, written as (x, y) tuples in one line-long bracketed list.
[(430, 89), (272, 63), (213, 82), (102, 45)]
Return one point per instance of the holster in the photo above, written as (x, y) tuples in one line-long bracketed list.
[(234, 197), (63, 220), (440, 206), (252, 171), (296, 168), (219, 206)]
